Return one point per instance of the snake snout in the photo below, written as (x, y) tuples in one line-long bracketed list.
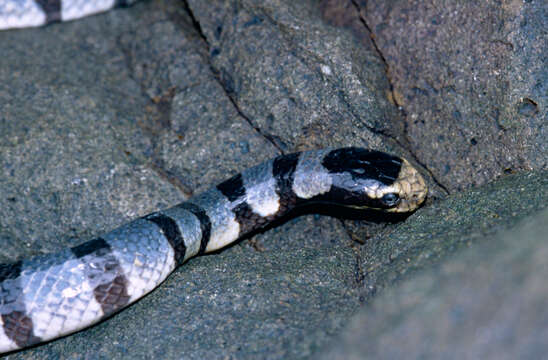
[(411, 187)]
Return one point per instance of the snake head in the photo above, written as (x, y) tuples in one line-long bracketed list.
[(363, 178)]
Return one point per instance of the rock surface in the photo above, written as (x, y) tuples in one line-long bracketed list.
[(473, 79), (488, 302), (114, 116)]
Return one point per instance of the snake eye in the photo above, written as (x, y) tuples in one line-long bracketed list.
[(390, 199)]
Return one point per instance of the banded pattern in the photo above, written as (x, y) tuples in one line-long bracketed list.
[(48, 296), (31, 13)]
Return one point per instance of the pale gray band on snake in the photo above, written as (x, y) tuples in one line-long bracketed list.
[(31, 13), (52, 295)]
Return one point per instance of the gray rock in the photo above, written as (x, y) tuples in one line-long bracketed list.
[(488, 301), (71, 155), (472, 78), (459, 221), (302, 83), (88, 142), (114, 116)]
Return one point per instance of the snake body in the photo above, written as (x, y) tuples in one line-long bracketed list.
[(48, 296), (52, 295)]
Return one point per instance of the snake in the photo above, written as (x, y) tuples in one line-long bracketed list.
[(52, 295)]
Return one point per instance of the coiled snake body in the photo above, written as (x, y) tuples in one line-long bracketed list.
[(52, 295)]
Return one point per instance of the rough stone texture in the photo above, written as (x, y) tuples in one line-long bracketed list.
[(444, 227), (302, 83), (71, 157), (193, 123), (88, 142), (473, 80), (114, 116), (487, 302)]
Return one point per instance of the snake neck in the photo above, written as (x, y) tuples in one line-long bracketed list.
[(253, 199), (247, 202)]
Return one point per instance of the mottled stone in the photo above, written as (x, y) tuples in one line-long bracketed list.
[(472, 78), (114, 116)]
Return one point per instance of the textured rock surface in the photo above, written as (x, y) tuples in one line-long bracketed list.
[(114, 116), (300, 81), (457, 222), (488, 302), (472, 78)]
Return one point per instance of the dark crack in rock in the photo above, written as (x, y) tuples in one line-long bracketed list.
[(302, 82)]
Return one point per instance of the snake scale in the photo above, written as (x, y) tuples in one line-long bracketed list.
[(48, 296)]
